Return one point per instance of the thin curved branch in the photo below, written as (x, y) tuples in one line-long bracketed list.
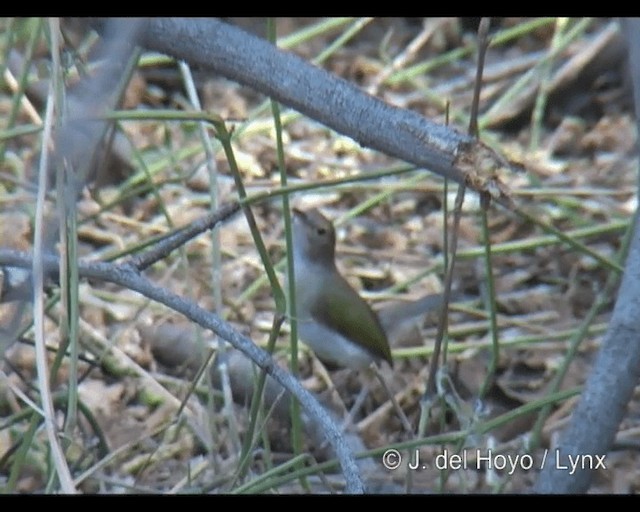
[(128, 277)]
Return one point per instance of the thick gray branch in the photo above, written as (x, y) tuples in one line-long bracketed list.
[(616, 372), (254, 62), (609, 388)]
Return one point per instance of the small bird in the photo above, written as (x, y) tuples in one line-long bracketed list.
[(333, 319)]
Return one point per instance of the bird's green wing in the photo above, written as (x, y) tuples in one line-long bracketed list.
[(352, 317)]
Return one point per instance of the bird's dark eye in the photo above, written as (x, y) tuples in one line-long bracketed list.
[(321, 231)]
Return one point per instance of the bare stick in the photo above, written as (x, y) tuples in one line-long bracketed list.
[(616, 370), (213, 45), (128, 277)]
